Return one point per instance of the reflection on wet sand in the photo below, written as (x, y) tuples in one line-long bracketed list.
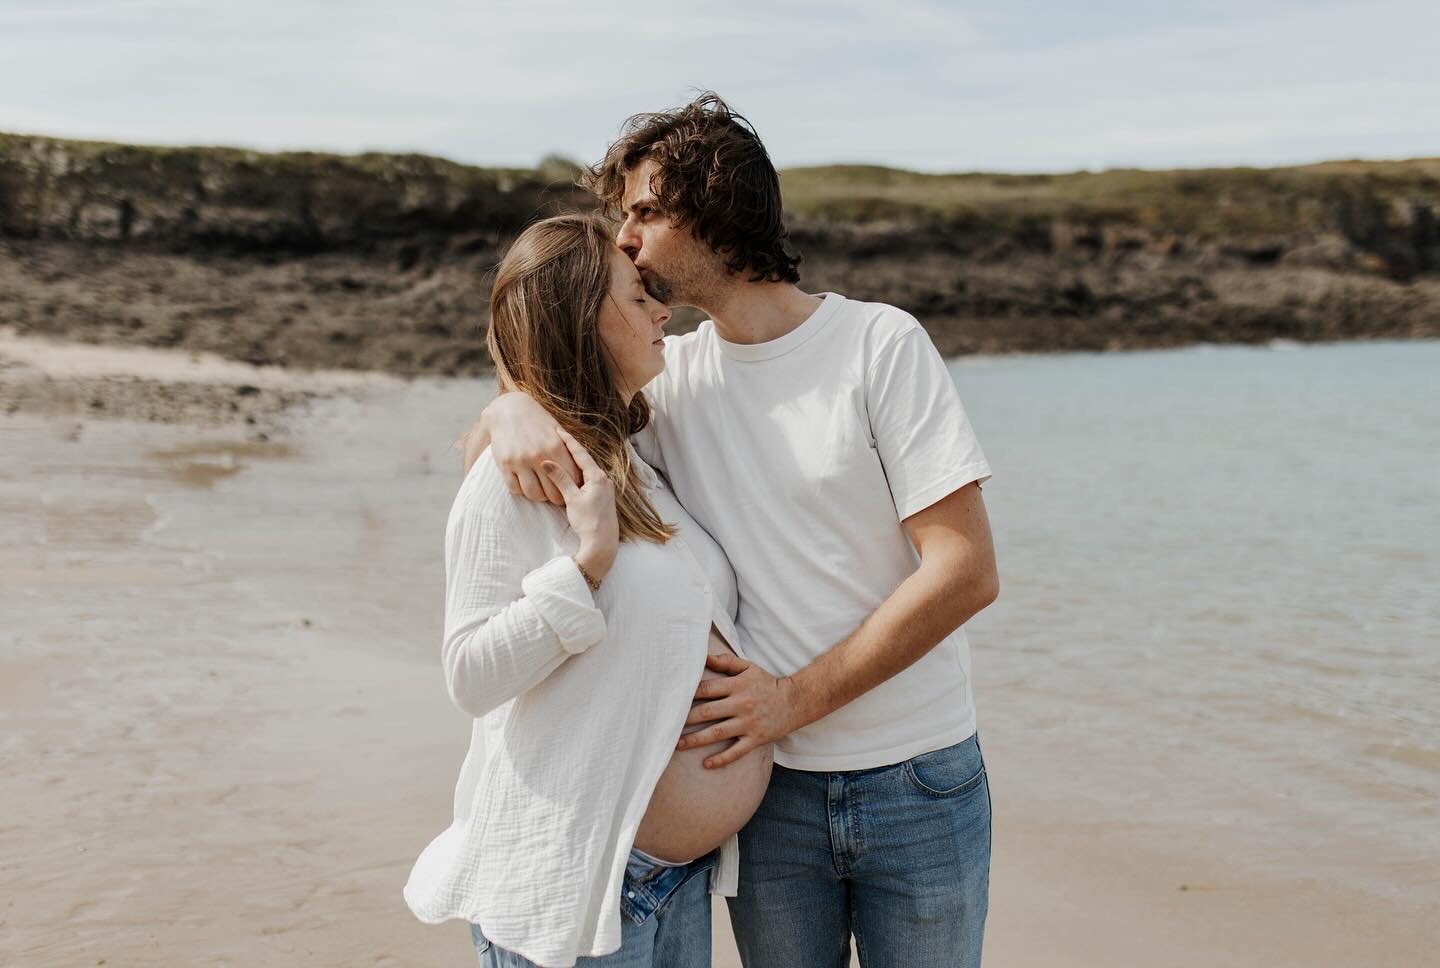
[(203, 463)]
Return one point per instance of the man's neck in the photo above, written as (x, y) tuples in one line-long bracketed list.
[(758, 312)]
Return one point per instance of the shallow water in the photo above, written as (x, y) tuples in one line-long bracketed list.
[(1221, 600), (1219, 617), (1221, 571), (1221, 586)]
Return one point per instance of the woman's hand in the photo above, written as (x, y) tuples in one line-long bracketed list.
[(590, 506)]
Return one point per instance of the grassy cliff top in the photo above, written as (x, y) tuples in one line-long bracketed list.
[(102, 154), (1207, 201)]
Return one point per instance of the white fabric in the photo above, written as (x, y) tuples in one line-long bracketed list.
[(802, 456), (579, 701)]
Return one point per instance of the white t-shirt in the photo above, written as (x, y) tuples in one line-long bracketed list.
[(801, 456)]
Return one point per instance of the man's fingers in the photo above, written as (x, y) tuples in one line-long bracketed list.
[(730, 754), (530, 486), (727, 663), (728, 729), (715, 688), (708, 712)]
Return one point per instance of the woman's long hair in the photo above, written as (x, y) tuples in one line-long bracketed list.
[(544, 338)]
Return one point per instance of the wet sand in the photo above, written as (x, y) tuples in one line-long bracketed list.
[(225, 735)]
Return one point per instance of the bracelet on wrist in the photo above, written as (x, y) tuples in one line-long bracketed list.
[(590, 579)]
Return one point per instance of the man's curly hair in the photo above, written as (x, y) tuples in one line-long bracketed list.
[(715, 178)]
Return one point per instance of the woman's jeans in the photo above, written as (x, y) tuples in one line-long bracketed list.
[(664, 919), (898, 856)]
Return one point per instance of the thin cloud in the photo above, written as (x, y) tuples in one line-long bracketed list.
[(910, 83)]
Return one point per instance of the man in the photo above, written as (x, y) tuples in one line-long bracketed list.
[(821, 441)]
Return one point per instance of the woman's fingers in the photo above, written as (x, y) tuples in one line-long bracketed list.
[(548, 480), (552, 493), (560, 480), (588, 468)]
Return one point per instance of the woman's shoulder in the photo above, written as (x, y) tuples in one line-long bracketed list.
[(484, 496), (483, 477)]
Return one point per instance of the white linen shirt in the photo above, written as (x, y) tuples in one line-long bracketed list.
[(578, 701)]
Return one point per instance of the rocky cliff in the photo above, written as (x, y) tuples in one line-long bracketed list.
[(381, 261)]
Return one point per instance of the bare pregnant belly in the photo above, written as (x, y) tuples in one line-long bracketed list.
[(694, 810)]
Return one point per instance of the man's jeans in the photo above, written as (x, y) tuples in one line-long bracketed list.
[(899, 856)]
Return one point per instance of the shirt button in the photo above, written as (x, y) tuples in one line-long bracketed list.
[(630, 894)]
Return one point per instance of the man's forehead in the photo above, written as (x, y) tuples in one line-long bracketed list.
[(637, 184)]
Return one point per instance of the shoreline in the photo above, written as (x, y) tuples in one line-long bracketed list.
[(68, 369), (227, 737)]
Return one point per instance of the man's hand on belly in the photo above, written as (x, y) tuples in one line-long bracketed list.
[(746, 704)]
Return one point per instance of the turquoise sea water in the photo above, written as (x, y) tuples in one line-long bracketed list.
[(1221, 593), (1220, 605)]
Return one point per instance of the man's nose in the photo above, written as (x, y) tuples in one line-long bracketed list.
[(628, 239)]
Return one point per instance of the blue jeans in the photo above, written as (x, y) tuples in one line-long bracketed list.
[(664, 920), (898, 856)]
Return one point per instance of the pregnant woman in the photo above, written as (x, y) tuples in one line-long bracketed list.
[(576, 638)]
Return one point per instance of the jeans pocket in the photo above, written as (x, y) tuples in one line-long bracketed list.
[(637, 889), (948, 772)]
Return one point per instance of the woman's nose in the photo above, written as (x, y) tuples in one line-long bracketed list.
[(663, 316)]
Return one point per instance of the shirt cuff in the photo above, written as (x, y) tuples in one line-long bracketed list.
[(563, 600)]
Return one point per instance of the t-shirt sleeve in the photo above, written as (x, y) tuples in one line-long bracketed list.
[(924, 438)]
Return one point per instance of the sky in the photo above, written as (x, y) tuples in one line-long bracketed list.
[(1008, 85)]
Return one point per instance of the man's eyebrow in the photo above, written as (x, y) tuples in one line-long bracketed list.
[(641, 202)]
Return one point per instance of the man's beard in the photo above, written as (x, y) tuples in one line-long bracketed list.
[(658, 288)]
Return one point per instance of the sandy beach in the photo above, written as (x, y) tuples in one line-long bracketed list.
[(225, 735)]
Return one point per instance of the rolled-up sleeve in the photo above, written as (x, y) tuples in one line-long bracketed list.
[(509, 622), (564, 601)]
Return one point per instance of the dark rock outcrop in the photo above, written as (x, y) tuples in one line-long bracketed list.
[(382, 261)]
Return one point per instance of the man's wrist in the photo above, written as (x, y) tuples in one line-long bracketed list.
[(799, 700)]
